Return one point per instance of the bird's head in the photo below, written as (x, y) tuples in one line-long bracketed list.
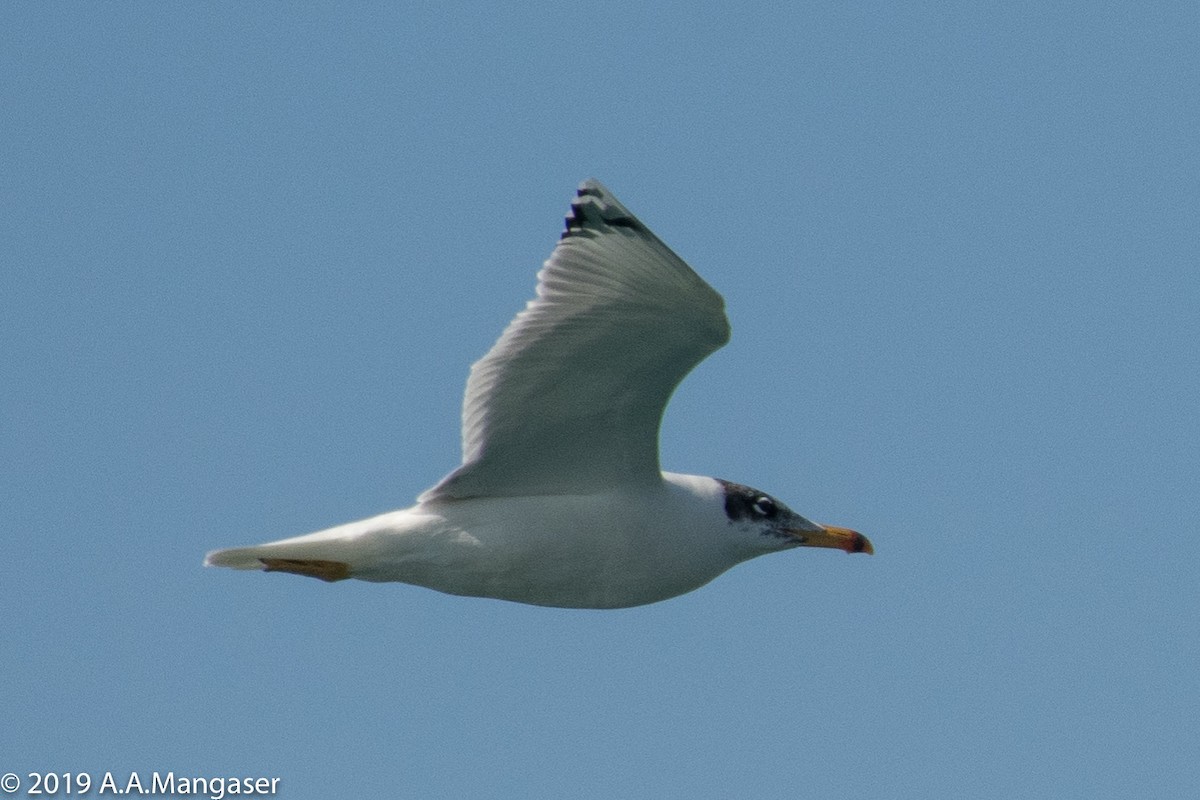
[(773, 526)]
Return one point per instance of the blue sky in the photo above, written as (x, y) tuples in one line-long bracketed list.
[(250, 251)]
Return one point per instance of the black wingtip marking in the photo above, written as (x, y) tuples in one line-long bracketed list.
[(589, 210)]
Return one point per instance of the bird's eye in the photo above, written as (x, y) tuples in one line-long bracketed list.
[(765, 506)]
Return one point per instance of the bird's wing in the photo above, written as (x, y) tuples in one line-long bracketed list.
[(569, 399)]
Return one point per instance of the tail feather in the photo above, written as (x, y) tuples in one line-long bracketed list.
[(236, 558), (331, 554), (271, 559)]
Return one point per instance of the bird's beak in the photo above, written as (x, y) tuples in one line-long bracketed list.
[(833, 536)]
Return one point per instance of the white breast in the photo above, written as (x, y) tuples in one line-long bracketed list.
[(593, 551)]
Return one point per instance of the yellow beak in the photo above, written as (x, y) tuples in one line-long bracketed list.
[(833, 536)]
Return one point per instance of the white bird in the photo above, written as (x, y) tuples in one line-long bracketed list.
[(559, 500)]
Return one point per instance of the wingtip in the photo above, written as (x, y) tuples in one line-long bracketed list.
[(595, 207)]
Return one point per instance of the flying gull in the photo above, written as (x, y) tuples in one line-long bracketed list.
[(559, 500)]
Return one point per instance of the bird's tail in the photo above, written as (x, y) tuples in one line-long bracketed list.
[(236, 558), (315, 555)]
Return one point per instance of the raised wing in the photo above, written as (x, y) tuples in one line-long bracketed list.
[(569, 399)]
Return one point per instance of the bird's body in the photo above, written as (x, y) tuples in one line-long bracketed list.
[(600, 550), (560, 500)]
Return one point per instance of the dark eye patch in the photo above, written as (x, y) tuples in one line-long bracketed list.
[(742, 502), (765, 506)]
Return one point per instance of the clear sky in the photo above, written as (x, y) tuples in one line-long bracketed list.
[(250, 250)]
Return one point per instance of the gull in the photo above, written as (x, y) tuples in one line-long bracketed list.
[(559, 500)]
